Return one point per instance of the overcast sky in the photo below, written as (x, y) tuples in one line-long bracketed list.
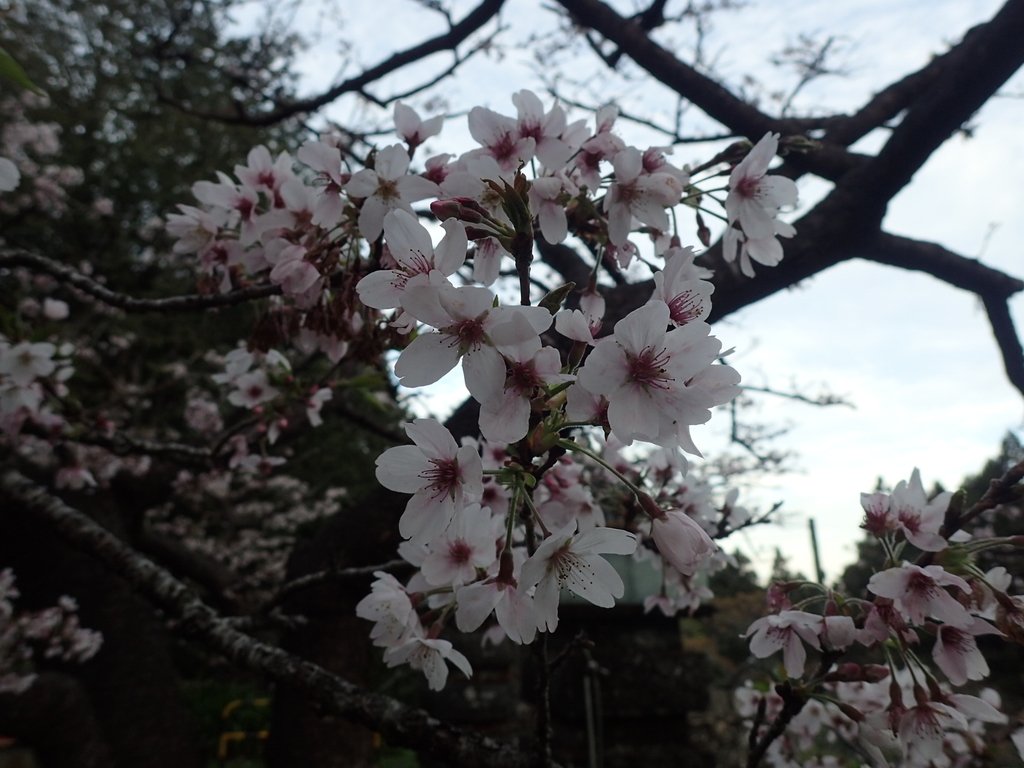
[(915, 356)]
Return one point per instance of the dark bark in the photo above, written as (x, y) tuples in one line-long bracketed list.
[(131, 683)]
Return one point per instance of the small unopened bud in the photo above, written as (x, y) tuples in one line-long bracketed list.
[(703, 232)]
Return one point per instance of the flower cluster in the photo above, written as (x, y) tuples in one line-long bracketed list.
[(500, 528), (941, 606), (51, 633)]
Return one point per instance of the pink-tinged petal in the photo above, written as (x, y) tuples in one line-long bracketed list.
[(515, 336), (781, 190), (644, 328), (424, 303), (487, 126), (545, 602), (766, 640), (517, 616), (794, 656), (371, 217), (606, 368), (461, 662), (407, 239), (505, 419), (977, 709), (426, 517), (595, 580), (765, 250), (475, 603), (553, 224), (432, 438), (633, 415), (652, 212), (451, 251), (471, 471), (620, 222), (414, 188), (407, 121), (602, 540), (628, 163), (392, 162), (363, 183), (428, 358), (399, 468), (381, 289), (466, 302), (484, 372), (573, 325)]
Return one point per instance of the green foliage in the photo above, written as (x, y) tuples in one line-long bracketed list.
[(11, 70), (117, 74)]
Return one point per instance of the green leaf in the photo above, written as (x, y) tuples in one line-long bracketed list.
[(11, 70)]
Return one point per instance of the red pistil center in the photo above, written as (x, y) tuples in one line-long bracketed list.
[(649, 368)]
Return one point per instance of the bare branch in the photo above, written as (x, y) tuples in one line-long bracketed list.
[(449, 41), (186, 303)]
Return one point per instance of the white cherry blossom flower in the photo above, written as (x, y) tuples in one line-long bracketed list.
[(469, 543), (682, 541), (545, 128), (919, 593), (786, 631), (499, 136), (754, 198), (442, 477), (386, 187), (25, 362), (638, 194), (465, 318), (389, 607), (956, 651), (413, 129), (574, 561), (657, 382), (409, 244), (428, 655)]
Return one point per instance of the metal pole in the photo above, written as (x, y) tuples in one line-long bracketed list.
[(814, 548)]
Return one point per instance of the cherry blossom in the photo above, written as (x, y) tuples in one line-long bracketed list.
[(956, 651), (465, 318), (442, 477), (409, 244), (428, 655), (919, 592), (638, 194), (413, 129), (386, 187), (681, 541), (574, 561), (469, 543), (754, 199), (786, 631), (652, 377)]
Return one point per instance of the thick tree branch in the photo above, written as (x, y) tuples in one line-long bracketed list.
[(976, 69), (401, 725), (993, 287), (186, 303)]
